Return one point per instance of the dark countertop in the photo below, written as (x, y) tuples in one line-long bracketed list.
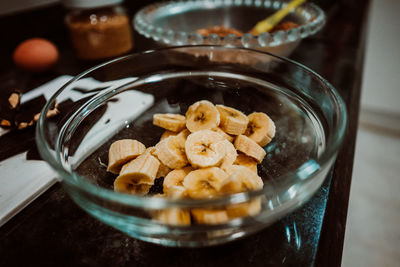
[(53, 231)]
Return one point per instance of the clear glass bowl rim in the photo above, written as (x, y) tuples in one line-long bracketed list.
[(73, 179), (144, 26)]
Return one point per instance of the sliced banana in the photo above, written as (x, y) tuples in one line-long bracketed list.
[(151, 150), (250, 208), (246, 161), (260, 128), (176, 177), (121, 152), (232, 120), (249, 147), (202, 115), (167, 134), (171, 152), (210, 216), (204, 183), (204, 139), (137, 173), (205, 148), (241, 179), (145, 166), (158, 195), (163, 170), (173, 216), (170, 122), (173, 182), (224, 134), (177, 192), (132, 189), (184, 134), (230, 156)]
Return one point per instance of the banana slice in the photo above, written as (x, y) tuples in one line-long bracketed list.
[(177, 192), (230, 156), (173, 182), (249, 147), (121, 152), (210, 216), (204, 183), (249, 208), (184, 134), (224, 134), (167, 134), (170, 122), (241, 179), (132, 189), (260, 128), (173, 216), (171, 152), (136, 173), (205, 148), (163, 170), (246, 161), (202, 115), (151, 150), (232, 120)]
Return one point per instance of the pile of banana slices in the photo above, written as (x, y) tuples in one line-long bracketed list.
[(211, 151)]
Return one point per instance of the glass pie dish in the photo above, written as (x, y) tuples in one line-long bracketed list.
[(117, 100), (176, 23)]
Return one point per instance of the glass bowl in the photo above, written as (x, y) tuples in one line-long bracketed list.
[(117, 100), (176, 22)]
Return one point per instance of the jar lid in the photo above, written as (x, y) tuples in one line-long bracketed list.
[(89, 3)]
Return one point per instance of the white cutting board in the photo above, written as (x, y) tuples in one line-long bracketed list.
[(22, 180)]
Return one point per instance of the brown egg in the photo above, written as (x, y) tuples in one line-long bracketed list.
[(35, 55)]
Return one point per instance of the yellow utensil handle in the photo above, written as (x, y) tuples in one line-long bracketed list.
[(270, 22)]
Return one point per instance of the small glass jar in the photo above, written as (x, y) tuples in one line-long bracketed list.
[(98, 29)]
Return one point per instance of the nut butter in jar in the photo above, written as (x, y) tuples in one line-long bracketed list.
[(98, 29)]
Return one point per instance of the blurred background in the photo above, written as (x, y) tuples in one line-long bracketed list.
[(372, 232)]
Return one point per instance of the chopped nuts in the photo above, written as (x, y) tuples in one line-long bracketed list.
[(5, 123), (51, 113), (23, 125), (19, 116), (14, 100), (36, 116)]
